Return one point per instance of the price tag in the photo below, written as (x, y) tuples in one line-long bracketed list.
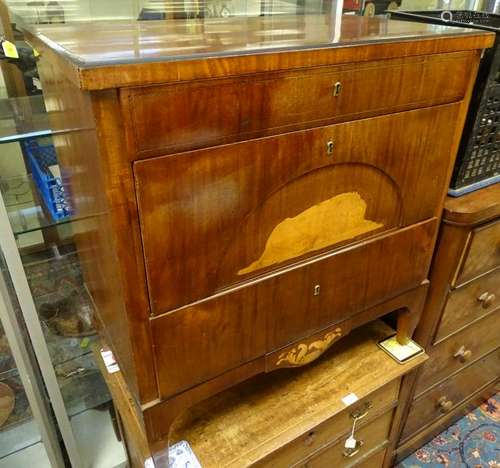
[(180, 455), (350, 443), (109, 361), (350, 399), (9, 49)]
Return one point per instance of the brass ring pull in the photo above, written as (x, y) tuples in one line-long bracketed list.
[(444, 404), (362, 411), (337, 88), (349, 453), (486, 299)]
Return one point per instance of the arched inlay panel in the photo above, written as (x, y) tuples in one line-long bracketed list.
[(213, 218), (317, 211)]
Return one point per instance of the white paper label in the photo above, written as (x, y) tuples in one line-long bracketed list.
[(180, 455), (109, 361), (350, 443), (350, 399)]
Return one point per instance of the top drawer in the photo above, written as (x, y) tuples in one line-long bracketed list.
[(177, 117), (483, 253)]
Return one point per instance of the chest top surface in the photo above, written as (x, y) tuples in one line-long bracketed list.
[(92, 48)]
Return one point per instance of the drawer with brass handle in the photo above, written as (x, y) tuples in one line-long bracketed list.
[(441, 399), (469, 303), (178, 117), (457, 351), (369, 438), (364, 411)]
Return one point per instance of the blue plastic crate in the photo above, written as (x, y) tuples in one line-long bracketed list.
[(40, 158)]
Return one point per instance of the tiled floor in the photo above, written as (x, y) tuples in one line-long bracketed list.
[(472, 442)]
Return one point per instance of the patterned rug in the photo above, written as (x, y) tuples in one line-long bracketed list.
[(472, 442)]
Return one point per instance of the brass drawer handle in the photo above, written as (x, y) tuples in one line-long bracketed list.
[(337, 88), (350, 452), (362, 411), (444, 404), (463, 354), (486, 299)]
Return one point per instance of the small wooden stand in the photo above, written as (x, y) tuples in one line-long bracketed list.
[(286, 416)]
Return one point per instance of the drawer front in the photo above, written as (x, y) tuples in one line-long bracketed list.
[(459, 350), (469, 303), (373, 435), (179, 117), (373, 461), (328, 432), (443, 398), (483, 253), (217, 217), (203, 340)]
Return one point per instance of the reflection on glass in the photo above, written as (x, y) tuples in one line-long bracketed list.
[(19, 434), (63, 306)]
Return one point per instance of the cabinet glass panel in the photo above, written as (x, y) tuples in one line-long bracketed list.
[(20, 439), (67, 11), (30, 184)]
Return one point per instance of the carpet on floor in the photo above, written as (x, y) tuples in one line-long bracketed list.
[(472, 442)]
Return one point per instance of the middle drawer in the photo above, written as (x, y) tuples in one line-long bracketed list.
[(214, 218), (457, 351)]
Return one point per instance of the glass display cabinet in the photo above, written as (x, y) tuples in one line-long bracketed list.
[(49, 301), (27, 430)]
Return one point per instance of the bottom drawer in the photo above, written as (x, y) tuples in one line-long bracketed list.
[(371, 436), (443, 398)]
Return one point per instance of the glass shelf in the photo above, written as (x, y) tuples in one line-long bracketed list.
[(22, 118), (26, 212)]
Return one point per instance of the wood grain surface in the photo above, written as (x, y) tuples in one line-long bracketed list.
[(109, 55), (212, 220), (177, 117)]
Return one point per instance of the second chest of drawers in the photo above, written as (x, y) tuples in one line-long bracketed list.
[(461, 317)]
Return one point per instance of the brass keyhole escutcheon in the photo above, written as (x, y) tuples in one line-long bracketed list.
[(316, 290), (337, 88), (330, 145)]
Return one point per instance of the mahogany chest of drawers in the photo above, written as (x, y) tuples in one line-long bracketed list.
[(460, 323), (243, 200)]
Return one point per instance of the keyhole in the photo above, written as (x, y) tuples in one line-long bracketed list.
[(329, 147), (337, 88), (317, 290)]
